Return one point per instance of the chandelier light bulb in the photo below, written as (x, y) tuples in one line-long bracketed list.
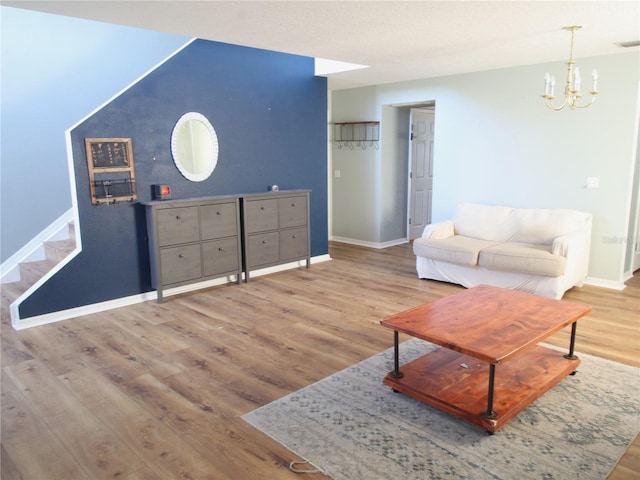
[(576, 80), (547, 86)]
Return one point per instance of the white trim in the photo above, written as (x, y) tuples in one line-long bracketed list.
[(15, 306), (80, 311), (604, 283), (34, 250), (363, 243), (21, 324), (628, 274), (141, 77)]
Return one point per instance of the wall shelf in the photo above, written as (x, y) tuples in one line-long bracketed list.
[(360, 134)]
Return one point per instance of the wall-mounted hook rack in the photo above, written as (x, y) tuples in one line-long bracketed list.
[(360, 134)]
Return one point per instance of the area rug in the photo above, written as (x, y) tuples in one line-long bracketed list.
[(352, 427)]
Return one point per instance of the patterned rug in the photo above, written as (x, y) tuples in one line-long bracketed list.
[(352, 427)]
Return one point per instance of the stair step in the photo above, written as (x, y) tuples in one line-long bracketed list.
[(12, 290), (57, 250), (31, 272)]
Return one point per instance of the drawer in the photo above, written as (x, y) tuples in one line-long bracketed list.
[(179, 264), (292, 211), (218, 220), (263, 249), (294, 243), (261, 215), (178, 225), (220, 256)]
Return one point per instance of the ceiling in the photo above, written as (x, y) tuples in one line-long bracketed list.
[(397, 40)]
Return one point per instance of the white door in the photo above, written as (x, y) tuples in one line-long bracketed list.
[(420, 171)]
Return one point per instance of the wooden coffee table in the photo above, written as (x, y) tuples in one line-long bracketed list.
[(491, 367)]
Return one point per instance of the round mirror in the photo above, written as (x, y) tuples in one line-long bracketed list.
[(194, 146)]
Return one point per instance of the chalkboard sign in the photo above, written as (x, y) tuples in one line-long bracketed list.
[(109, 152), (110, 159)]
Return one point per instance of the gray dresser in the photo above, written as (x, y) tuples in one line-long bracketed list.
[(275, 229), (193, 240), (199, 239)]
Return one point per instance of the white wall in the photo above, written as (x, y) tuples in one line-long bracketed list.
[(496, 143), (395, 170), (355, 192), (55, 71)]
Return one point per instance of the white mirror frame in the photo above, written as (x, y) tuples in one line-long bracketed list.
[(208, 153)]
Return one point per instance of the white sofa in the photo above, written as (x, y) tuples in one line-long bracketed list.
[(541, 251)]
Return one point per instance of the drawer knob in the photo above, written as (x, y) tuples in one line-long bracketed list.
[(264, 241), (295, 236), (177, 217), (261, 208), (220, 249), (293, 204), (180, 255), (218, 213)]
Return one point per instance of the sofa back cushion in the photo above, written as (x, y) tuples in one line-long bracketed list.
[(527, 225), (484, 222)]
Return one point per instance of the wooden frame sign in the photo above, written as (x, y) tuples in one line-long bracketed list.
[(111, 172)]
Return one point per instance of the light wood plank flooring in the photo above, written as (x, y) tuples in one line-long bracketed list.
[(155, 391)]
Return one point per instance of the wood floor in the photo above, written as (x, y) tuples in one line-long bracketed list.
[(156, 391)]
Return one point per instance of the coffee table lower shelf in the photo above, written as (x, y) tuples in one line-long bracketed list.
[(458, 384)]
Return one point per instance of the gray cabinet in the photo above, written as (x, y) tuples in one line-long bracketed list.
[(275, 229), (193, 240), (198, 239)]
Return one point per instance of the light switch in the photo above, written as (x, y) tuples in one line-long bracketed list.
[(593, 182), (336, 173)]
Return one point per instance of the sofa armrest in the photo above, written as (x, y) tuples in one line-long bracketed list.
[(443, 229), (575, 247)]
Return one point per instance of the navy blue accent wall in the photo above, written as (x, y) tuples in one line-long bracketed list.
[(270, 115)]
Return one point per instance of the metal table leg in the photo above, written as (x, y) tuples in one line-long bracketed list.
[(489, 413), (572, 344), (396, 357)]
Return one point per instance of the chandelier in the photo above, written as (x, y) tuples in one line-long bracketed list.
[(572, 93)]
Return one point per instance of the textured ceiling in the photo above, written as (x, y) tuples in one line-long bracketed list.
[(397, 40)]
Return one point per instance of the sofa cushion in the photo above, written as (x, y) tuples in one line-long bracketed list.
[(523, 258), (486, 222), (457, 249), (543, 226), (526, 225)]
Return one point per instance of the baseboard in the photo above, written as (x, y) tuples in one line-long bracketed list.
[(53, 317), (628, 275), (363, 243), (21, 324), (601, 282)]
